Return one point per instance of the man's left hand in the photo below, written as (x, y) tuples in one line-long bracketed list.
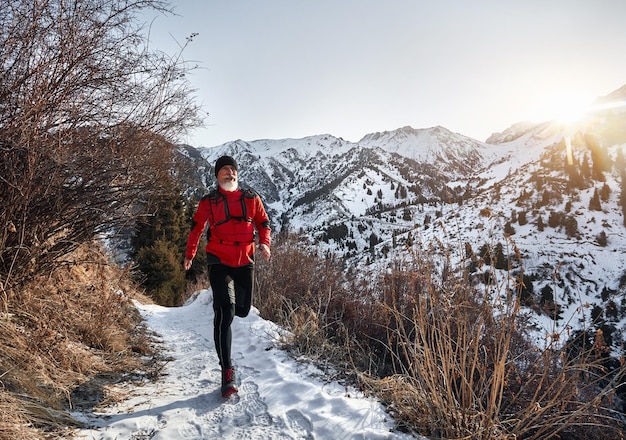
[(265, 250)]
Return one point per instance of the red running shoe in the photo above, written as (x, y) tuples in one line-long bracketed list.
[(229, 386)]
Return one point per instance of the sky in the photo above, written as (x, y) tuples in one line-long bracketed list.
[(276, 69), (279, 397)]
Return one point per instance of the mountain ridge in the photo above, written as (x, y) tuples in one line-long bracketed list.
[(371, 201)]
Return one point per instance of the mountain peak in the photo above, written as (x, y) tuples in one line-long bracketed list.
[(616, 95), (514, 132), (432, 145), (403, 133)]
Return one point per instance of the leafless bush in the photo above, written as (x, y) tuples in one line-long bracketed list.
[(87, 112), (311, 296)]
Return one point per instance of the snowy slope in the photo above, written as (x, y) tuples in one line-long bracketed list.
[(411, 185), (279, 398), (437, 145)]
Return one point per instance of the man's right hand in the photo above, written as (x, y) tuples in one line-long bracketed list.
[(187, 263)]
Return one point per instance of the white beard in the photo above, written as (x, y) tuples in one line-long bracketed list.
[(229, 186)]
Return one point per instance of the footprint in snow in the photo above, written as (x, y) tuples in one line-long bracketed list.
[(299, 424), (253, 404)]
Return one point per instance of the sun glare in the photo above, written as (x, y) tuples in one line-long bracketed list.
[(567, 109)]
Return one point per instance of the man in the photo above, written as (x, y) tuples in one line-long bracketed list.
[(233, 215)]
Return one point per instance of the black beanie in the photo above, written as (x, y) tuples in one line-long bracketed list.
[(223, 161)]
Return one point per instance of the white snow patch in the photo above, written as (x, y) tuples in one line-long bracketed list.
[(279, 397)]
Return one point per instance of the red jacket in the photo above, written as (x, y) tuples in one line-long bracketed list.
[(233, 217)]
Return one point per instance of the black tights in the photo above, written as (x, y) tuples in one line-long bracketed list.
[(232, 296)]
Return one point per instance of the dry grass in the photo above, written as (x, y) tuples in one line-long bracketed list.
[(61, 338), (449, 360), (310, 297)]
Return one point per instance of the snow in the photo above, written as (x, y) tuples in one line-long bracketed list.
[(282, 398), (279, 397)]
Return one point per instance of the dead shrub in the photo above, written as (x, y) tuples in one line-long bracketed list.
[(449, 359), (311, 297)]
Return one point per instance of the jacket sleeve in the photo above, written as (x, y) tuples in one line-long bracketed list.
[(262, 222), (198, 224)]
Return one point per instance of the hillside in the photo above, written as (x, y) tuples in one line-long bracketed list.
[(372, 200)]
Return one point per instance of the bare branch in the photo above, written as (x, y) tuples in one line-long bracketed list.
[(88, 115)]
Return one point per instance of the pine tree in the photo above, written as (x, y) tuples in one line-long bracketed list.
[(601, 238), (406, 215), (605, 192), (158, 247), (555, 218), (409, 239), (403, 192), (522, 219), (373, 242), (166, 222), (585, 168), (163, 275), (547, 295), (509, 229), (571, 226), (600, 159), (575, 180), (527, 291), (500, 260), (485, 253), (594, 202)]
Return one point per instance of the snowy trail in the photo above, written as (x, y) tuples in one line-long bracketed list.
[(279, 398)]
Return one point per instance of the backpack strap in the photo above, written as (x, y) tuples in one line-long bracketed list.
[(249, 193), (214, 194), (246, 193)]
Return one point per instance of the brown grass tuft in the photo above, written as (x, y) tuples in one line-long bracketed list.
[(61, 337)]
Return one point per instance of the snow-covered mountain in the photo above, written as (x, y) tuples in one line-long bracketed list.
[(371, 200)]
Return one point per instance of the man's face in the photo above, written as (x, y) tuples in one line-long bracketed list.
[(227, 177)]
